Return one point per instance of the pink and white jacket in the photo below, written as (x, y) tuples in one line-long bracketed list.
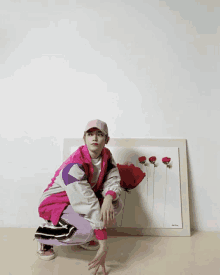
[(71, 184)]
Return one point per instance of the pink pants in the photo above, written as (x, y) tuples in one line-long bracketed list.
[(84, 232)]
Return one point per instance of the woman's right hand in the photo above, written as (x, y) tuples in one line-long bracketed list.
[(100, 258)]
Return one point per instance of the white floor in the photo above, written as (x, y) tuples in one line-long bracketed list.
[(195, 255)]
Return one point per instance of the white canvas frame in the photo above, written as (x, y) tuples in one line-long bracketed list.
[(143, 142)]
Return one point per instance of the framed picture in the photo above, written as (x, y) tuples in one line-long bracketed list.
[(159, 205)]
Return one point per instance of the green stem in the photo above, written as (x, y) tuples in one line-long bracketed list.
[(165, 198), (153, 193)]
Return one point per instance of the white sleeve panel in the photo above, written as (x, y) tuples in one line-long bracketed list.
[(112, 182)]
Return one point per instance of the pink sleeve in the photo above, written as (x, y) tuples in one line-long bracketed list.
[(100, 234), (112, 193)]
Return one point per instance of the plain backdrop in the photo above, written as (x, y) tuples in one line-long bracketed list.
[(150, 69)]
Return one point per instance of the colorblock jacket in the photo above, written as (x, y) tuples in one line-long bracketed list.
[(72, 184)]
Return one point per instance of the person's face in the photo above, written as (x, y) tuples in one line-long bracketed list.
[(95, 141)]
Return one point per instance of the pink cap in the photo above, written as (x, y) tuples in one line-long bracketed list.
[(101, 125)]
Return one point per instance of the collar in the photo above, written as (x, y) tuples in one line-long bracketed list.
[(86, 156)]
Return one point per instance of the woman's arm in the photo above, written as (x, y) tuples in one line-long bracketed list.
[(103, 244), (112, 181), (107, 211)]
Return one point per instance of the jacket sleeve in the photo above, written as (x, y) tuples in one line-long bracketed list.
[(82, 198), (112, 180)]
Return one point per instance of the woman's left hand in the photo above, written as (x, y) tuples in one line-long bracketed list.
[(99, 260), (107, 211)]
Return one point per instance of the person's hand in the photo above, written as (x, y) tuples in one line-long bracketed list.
[(107, 211), (99, 260)]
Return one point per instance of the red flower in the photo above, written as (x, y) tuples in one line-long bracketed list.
[(130, 175), (142, 159), (152, 159), (166, 160)]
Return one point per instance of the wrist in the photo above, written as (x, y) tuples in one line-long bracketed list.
[(103, 243), (108, 197)]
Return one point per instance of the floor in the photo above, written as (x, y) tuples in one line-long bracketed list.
[(195, 255)]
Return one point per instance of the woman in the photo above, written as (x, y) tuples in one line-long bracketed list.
[(82, 199)]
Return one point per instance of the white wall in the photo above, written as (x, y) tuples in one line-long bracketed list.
[(148, 68)]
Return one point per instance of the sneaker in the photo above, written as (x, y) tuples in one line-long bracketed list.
[(45, 252), (92, 245)]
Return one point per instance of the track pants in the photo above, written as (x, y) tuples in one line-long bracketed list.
[(84, 232)]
